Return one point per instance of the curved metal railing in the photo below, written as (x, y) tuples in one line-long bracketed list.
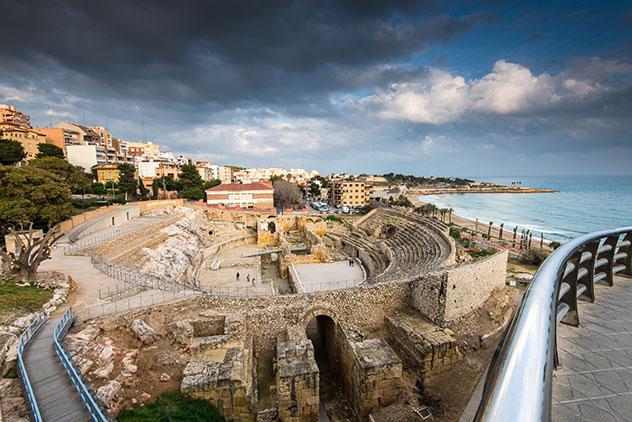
[(87, 397), (25, 338), (518, 385)]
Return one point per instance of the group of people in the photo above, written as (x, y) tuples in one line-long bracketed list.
[(351, 262), (248, 279)]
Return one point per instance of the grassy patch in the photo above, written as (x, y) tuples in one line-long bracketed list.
[(16, 301), (333, 218), (481, 253), (172, 406), (514, 266)]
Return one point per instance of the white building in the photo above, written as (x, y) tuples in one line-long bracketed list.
[(147, 168), (223, 173), (83, 155)]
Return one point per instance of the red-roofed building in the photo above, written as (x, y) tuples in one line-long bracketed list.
[(241, 195)]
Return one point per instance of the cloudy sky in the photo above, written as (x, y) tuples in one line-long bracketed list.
[(431, 88)]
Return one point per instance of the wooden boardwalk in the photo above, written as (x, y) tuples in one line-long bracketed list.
[(57, 398)]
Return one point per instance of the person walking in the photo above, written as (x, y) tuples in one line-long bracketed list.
[(253, 282), (237, 276), (248, 278)]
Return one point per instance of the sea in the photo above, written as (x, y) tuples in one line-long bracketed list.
[(582, 204)]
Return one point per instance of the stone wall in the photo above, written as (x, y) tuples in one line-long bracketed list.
[(145, 206), (423, 351), (377, 374), (451, 293), (266, 317), (470, 284), (297, 377)]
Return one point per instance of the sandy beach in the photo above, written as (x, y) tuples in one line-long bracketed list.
[(482, 228)]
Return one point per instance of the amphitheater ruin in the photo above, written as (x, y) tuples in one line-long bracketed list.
[(292, 317)]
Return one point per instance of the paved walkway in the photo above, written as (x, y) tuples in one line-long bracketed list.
[(55, 394), (594, 382)]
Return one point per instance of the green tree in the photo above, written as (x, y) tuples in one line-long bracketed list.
[(127, 180), (75, 176), (97, 189), (314, 189), (49, 150), (191, 183), (212, 184), (142, 188), (11, 152), (43, 197), (189, 177)]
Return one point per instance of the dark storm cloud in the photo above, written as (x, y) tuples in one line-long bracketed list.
[(198, 52)]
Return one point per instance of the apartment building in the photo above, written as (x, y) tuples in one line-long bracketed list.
[(143, 149), (16, 126), (349, 193), (107, 173), (168, 169), (241, 195), (86, 134), (223, 173), (61, 137)]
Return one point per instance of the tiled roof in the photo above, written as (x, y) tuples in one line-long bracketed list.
[(240, 187)]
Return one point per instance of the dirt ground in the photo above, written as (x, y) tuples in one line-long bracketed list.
[(152, 361)]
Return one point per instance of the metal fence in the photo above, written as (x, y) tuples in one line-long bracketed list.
[(80, 245), (85, 392), (142, 281), (132, 303), (120, 291), (137, 278), (518, 385), (328, 285), (25, 338)]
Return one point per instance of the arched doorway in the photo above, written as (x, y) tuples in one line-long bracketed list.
[(321, 329), (271, 227)]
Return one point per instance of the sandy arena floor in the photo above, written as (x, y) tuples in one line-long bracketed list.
[(334, 275)]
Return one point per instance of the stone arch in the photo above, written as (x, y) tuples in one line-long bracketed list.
[(318, 311), (272, 227)]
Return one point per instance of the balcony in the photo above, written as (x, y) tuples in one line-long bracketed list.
[(567, 354)]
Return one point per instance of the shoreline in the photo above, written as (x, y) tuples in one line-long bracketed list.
[(483, 228), (447, 191)]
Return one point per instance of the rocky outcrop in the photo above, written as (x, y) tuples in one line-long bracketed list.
[(144, 332), (181, 332), (177, 257), (108, 395)]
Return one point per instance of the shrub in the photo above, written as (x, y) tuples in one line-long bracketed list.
[(172, 406)]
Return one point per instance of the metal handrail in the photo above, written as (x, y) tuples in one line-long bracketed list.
[(25, 338), (518, 385), (87, 397)]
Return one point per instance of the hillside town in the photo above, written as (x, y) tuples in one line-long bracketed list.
[(156, 171)]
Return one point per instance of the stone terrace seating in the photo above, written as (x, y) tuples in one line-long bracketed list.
[(417, 246)]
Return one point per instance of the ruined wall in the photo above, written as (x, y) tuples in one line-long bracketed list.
[(297, 377), (265, 317), (377, 373), (471, 284), (227, 384), (424, 352), (448, 294)]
